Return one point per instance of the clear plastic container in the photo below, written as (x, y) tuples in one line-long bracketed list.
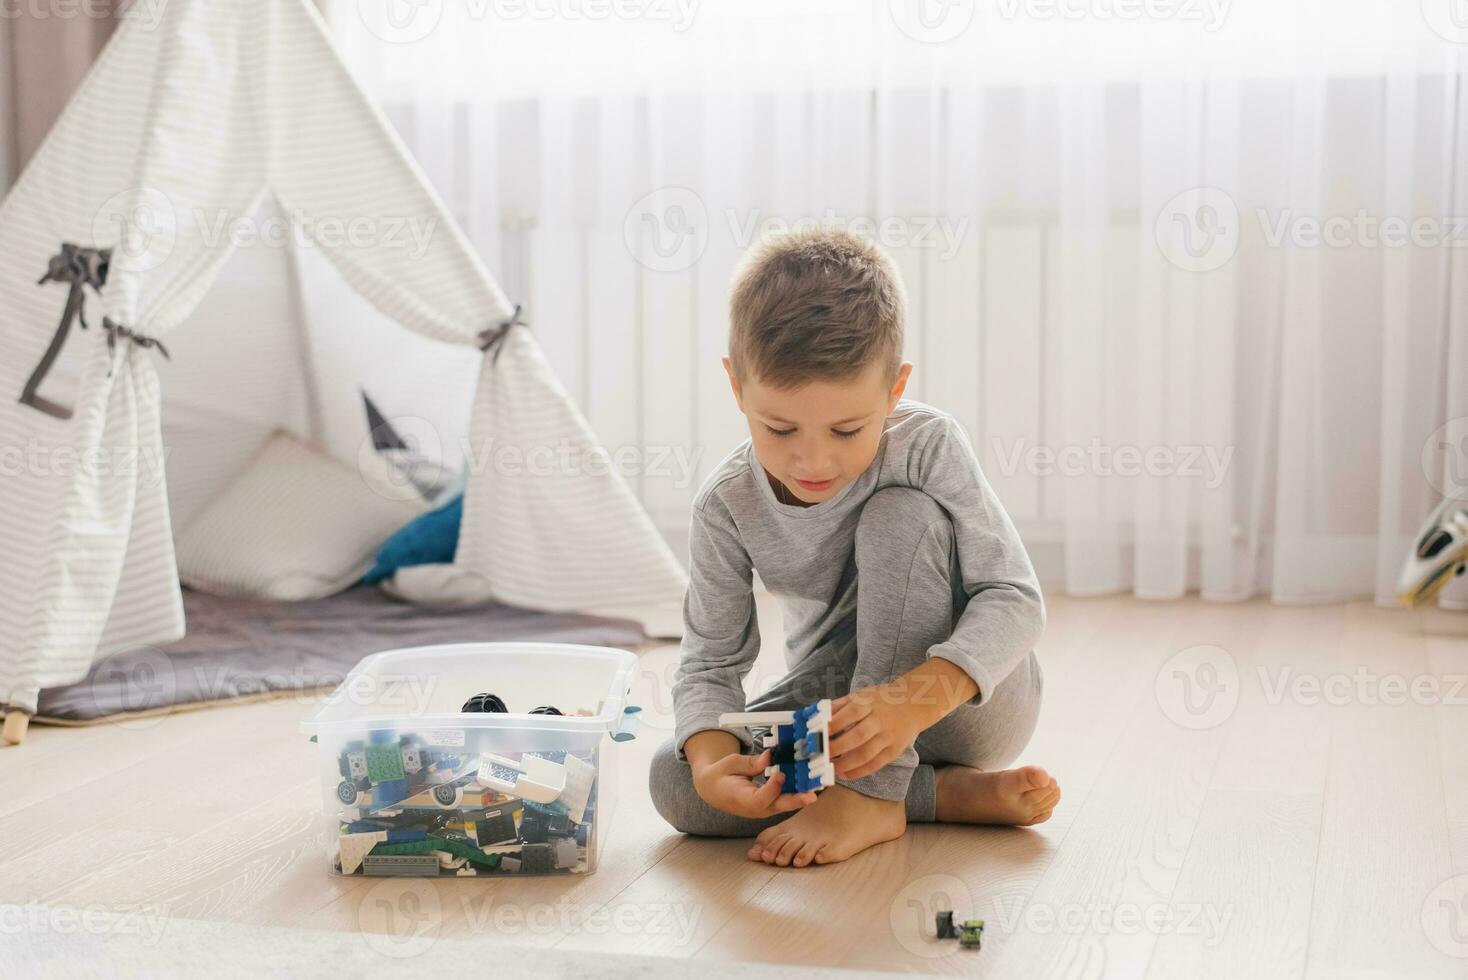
[(413, 785)]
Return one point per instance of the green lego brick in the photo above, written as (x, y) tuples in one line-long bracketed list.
[(384, 763), (971, 934), (458, 848)]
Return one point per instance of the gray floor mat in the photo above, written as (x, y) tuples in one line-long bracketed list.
[(239, 648)]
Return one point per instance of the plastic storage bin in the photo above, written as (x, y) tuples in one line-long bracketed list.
[(412, 785)]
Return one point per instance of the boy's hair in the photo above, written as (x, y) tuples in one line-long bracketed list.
[(816, 304)]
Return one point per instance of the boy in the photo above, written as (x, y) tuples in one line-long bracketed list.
[(907, 595)]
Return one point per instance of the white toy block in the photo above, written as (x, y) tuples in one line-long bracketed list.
[(543, 781), (499, 773), (352, 848), (579, 778)]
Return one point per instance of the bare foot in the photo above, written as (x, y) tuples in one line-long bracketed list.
[(1014, 797), (840, 823)]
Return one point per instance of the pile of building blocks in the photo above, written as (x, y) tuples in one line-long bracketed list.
[(409, 808), (797, 741)]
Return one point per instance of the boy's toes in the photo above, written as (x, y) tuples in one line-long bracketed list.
[(806, 854), (1033, 777), (772, 848), (787, 851)]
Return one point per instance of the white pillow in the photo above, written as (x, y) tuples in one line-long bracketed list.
[(295, 525)]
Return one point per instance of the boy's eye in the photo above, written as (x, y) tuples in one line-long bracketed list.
[(779, 432), (847, 434)]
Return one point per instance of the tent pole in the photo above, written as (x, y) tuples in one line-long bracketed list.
[(15, 726)]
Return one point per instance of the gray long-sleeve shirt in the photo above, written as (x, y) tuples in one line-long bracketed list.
[(805, 556)]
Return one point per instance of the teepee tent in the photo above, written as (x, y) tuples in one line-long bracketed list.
[(229, 237)]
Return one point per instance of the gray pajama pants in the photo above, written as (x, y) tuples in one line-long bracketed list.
[(909, 595)]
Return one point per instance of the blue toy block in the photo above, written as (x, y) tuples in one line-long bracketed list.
[(405, 836)]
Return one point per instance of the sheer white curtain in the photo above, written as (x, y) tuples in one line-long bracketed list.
[(1185, 270)]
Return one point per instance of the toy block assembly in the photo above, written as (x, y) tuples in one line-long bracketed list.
[(797, 741)]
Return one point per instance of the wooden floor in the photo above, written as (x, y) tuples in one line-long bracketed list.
[(1250, 791)]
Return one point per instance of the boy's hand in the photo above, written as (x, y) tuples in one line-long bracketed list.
[(876, 724), (728, 784)]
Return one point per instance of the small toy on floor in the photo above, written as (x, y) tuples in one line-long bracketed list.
[(970, 933), (797, 742)]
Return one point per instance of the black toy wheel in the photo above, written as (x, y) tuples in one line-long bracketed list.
[(446, 796), (346, 792), (484, 704)]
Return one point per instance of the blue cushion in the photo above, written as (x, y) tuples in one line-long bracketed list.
[(428, 540)]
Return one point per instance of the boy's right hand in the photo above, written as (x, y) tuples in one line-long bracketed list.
[(728, 784)]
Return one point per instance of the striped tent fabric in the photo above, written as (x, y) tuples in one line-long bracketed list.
[(225, 107)]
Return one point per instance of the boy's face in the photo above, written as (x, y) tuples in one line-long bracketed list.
[(817, 438)]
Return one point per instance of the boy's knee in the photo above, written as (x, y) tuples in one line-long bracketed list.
[(896, 521)]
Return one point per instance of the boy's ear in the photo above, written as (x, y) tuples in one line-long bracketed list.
[(733, 383), (903, 373)]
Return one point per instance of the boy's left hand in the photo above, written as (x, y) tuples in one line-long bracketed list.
[(875, 726)]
